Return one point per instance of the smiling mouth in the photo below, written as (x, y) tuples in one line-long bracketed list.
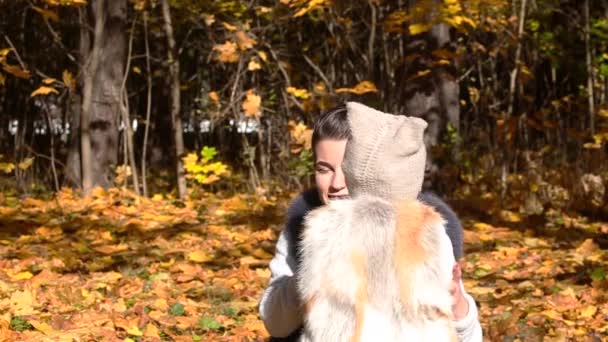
[(338, 197)]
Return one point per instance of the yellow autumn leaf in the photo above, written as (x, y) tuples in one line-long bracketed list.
[(48, 81), (198, 256), (26, 163), (301, 136), (245, 41), (603, 113), (361, 88), (2, 79), (46, 14), (22, 302), (263, 55), (4, 52), (418, 28), (312, 4), (44, 90), (22, 276), (252, 103), (134, 331), (16, 71), (68, 80), (229, 26), (420, 73), (42, 327), (395, 20), (253, 65), (299, 93), (151, 331), (227, 52), (589, 311)]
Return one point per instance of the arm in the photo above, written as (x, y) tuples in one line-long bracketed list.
[(280, 307), (468, 328), (464, 309)]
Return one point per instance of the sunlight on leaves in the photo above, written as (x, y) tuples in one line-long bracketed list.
[(245, 42), (227, 52), (298, 93), (251, 104), (16, 71), (360, 89), (44, 90)]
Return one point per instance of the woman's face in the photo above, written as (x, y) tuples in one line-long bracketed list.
[(329, 177)]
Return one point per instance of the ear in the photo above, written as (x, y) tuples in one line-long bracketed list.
[(410, 135)]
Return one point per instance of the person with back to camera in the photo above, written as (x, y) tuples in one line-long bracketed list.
[(281, 308)]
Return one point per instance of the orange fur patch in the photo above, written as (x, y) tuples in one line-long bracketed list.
[(308, 304), (413, 218), (360, 265)]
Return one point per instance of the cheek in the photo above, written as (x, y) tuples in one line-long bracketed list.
[(322, 182)]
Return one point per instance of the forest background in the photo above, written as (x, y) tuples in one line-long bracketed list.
[(149, 149)]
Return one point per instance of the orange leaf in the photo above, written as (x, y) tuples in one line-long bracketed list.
[(151, 331), (112, 249), (44, 90), (213, 96), (245, 41), (252, 103), (360, 89), (16, 71), (227, 52)]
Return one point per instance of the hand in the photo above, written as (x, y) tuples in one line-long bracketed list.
[(460, 306)]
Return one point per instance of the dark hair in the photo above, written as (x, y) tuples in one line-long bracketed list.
[(332, 124)]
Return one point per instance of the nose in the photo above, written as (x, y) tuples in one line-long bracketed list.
[(338, 182)]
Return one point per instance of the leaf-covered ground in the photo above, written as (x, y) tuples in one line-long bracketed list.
[(122, 268)]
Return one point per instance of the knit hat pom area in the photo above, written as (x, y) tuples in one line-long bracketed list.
[(386, 155)]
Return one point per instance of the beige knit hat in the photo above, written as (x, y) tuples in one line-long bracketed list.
[(386, 155)]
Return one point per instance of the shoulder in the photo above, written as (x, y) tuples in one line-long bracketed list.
[(300, 206), (452, 222), (304, 202), (439, 204)]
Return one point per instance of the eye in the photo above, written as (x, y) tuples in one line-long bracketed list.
[(322, 169)]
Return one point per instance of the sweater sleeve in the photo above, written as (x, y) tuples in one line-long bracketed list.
[(468, 329), (280, 306)]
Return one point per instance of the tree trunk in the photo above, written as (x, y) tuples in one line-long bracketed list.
[(90, 73), (431, 91), (103, 66), (148, 107), (590, 76), (175, 101)]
